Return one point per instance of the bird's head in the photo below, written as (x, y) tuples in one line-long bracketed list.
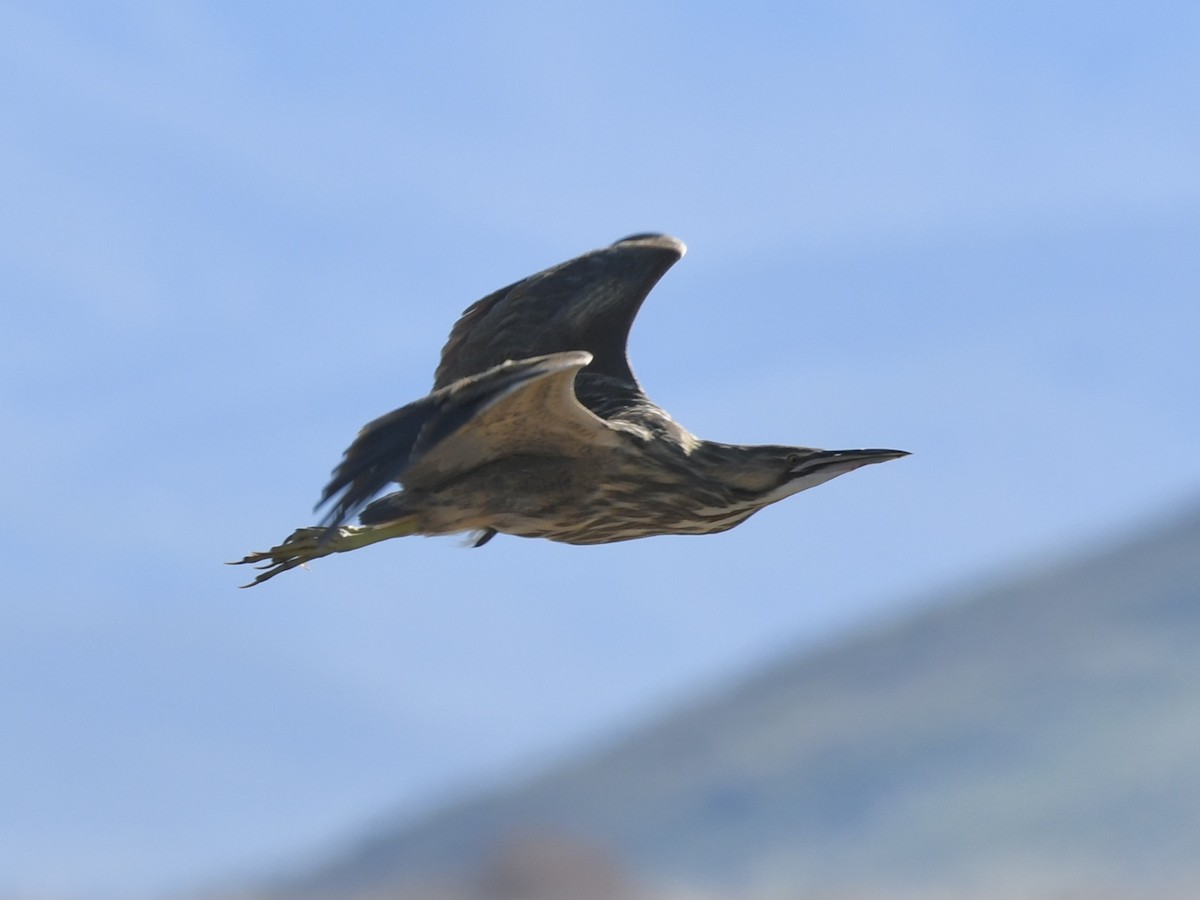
[(772, 472)]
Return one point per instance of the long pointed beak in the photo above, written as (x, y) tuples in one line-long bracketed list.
[(840, 461)]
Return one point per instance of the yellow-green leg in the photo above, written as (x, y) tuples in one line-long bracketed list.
[(305, 544)]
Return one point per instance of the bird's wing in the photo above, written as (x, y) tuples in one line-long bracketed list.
[(587, 303), (527, 406)]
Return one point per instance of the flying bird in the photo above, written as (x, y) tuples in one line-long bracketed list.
[(537, 427)]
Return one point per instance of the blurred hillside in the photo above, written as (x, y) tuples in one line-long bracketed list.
[(1038, 738)]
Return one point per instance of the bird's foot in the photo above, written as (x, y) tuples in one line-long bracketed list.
[(313, 542), (297, 549)]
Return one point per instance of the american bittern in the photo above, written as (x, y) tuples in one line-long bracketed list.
[(537, 427)]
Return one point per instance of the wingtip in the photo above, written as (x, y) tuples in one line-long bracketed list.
[(655, 239)]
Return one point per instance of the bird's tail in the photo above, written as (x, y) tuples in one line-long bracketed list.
[(305, 544)]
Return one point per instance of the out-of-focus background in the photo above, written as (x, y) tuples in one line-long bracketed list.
[(232, 233)]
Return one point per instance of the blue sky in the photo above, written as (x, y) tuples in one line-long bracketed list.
[(231, 233)]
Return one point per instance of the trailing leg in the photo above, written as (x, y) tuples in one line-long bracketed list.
[(310, 543)]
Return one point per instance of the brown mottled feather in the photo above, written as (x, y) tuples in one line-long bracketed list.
[(512, 408)]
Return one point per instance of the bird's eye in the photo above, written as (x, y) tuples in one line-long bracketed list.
[(794, 459)]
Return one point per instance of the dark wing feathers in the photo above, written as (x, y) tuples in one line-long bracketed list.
[(404, 439), (386, 447), (587, 303)]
